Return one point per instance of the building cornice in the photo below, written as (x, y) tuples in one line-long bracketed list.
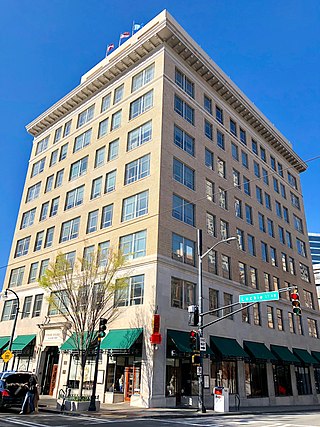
[(164, 30)]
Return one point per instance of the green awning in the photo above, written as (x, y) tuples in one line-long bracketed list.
[(304, 356), (316, 355), (72, 342), (4, 341), (181, 340), (121, 339), (258, 350), (283, 353), (21, 342), (227, 347)]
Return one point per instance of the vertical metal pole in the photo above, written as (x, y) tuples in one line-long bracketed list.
[(5, 366), (201, 406), (92, 406)]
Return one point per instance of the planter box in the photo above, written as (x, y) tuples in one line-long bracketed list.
[(74, 406)]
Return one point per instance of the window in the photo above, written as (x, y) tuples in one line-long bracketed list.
[(224, 229), (184, 83), (183, 293), (209, 162), (284, 261), (219, 114), (312, 328), (113, 150), (58, 303), (238, 208), (59, 178), (267, 282), (283, 190), (221, 168), (226, 266), (251, 245), (70, 230), (78, 168), (141, 79), (265, 176), (49, 237), (292, 181), (63, 152), (110, 181), (207, 103), (103, 254), (106, 102), (240, 236), (38, 241), (233, 127), (220, 140), (243, 137), (54, 157), (16, 277), (42, 145), (254, 147), (74, 198), (28, 218), (38, 167), (303, 380), (227, 300), (82, 140), (135, 206), (282, 380), (308, 299), (9, 310), (183, 210), (33, 272), (291, 264), (106, 217), (304, 272), (210, 190), (301, 247), (279, 319), (183, 174), (100, 157), (267, 201), (270, 317), (118, 94), (234, 151), (213, 262), (208, 131), (183, 249), (256, 169), (92, 224), (37, 305), (244, 159), (116, 120), (22, 247), (54, 206), (256, 315), (249, 217), (139, 136), (264, 252), (57, 135), (67, 129), (141, 105), (44, 211), (289, 239), (292, 328), (43, 267), (273, 163), (96, 188), (137, 169), (243, 279), (26, 311), (295, 201), (275, 185), (33, 192), (85, 116), (262, 226), (273, 256), (256, 379), (211, 224), (214, 301), (88, 257), (278, 209), (103, 128), (263, 154), (49, 184), (131, 293), (259, 195), (184, 109), (280, 169), (281, 235), (223, 202), (270, 227), (297, 223), (285, 214), (133, 245), (236, 178), (246, 186)]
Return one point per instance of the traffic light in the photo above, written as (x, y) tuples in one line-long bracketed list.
[(193, 340), (102, 328), (193, 311), (295, 301), (196, 359)]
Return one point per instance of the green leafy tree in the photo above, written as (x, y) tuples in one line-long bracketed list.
[(83, 293)]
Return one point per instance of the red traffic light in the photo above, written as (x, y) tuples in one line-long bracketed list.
[(295, 301), (193, 334)]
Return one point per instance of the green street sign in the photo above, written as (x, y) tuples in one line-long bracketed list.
[(263, 296)]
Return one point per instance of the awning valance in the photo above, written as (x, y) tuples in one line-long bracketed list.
[(21, 342), (258, 350), (4, 341), (72, 342), (121, 339), (316, 355), (283, 354), (227, 347), (304, 356), (181, 340)]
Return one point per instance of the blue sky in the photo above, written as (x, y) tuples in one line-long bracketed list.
[(269, 48)]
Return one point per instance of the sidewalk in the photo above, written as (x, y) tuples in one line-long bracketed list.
[(124, 410)]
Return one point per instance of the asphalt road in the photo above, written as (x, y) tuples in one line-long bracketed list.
[(312, 419)]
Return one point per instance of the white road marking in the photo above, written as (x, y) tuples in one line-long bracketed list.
[(24, 422)]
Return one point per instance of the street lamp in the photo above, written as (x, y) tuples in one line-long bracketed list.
[(5, 295), (201, 255)]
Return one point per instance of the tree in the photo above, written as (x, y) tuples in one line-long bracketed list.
[(82, 292)]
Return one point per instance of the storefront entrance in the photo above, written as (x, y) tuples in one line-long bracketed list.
[(50, 368)]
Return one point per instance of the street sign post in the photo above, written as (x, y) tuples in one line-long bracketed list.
[(260, 297), (203, 345), (6, 356)]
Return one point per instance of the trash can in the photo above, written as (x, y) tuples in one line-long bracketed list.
[(220, 399)]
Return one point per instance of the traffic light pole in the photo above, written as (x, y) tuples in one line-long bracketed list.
[(92, 406), (201, 406)]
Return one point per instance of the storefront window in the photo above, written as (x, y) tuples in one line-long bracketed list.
[(181, 378), (317, 379), (224, 374), (303, 380), (256, 380), (282, 380)]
